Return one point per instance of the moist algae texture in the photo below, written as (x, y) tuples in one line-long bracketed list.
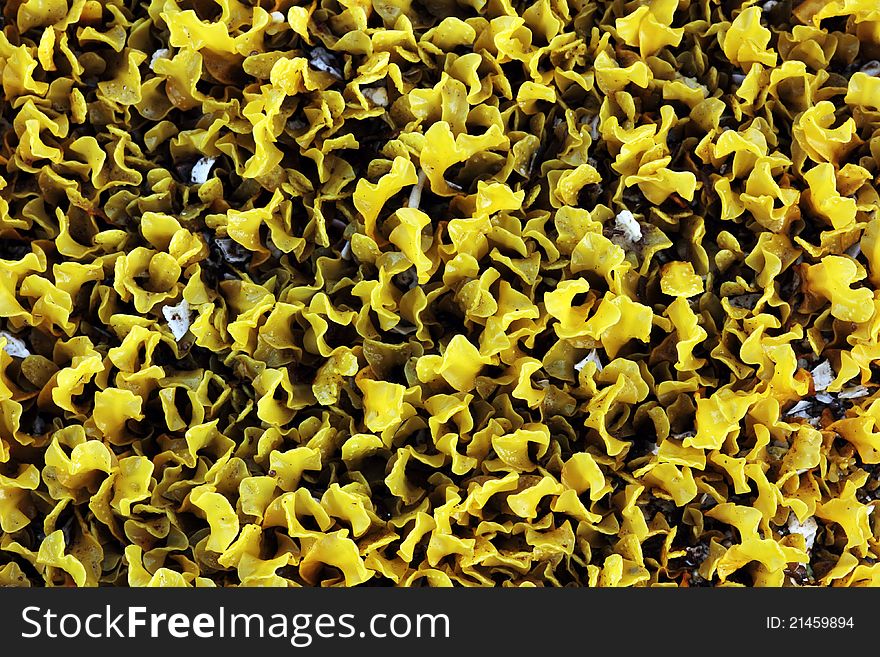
[(439, 292)]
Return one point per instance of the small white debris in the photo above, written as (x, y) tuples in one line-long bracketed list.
[(823, 375), (655, 449), (871, 68), (376, 95), (802, 410), (415, 194), (738, 78), (769, 5), (322, 60), (594, 128), (403, 330), (627, 224), (277, 17), (14, 346), (178, 318), (693, 83), (853, 393), (824, 397), (690, 82), (231, 250), (807, 529), (201, 169), (854, 250), (800, 407), (345, 254), (591, 357), (162, 53)]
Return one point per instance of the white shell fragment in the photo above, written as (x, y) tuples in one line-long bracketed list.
[(693, 83), (627, 224), (232, 251), (871, 68), (178, 318), (807, 529), (277, 17), (201, 170), (591, 357), (14, 346), (322, 60), (823, 375), (800, 407), (376, 95), (805, 410), (415, 194), (853, 393), (162, 53)]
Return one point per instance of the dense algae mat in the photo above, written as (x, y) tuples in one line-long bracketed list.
[(439, 293)]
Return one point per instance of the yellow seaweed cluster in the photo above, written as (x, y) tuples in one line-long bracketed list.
[(439, 292)]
